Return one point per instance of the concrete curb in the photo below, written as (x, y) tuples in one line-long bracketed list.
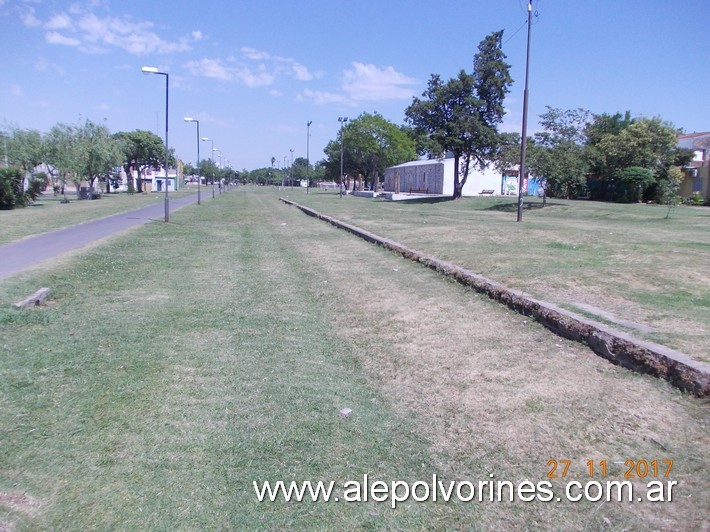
[(620, 348)]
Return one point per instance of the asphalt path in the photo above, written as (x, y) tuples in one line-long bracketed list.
[(22, 254)]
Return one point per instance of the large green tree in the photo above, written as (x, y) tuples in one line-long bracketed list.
[(557, 155), (25, 150), (616, 144), (142, 149), (98, 152), (372, 143), (61, 152), (462, 115)]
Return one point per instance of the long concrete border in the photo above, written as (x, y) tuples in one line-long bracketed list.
[(620, 348)]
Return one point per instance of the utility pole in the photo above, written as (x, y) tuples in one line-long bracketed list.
[(523, 146), (308, 154)]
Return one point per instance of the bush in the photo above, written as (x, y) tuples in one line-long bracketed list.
[(35, 187), (11, 194)]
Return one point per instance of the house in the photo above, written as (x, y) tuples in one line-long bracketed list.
[(696, 179), (436, 176), (153, 180)]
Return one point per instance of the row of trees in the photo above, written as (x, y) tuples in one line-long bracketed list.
[(81, 153), (606, 157), (577, 153)]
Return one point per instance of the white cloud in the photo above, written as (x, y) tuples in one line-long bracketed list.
[(103, 107), (255, 68), (59, 22), (209, 68), (255, 55), (253, 79), (301, 73), (215, 69), (367, 82), (15, 90), (29, 19), (53, 37), (278, 65), (323, 98), (91, 33)]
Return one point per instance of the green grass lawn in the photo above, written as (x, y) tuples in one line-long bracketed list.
[(614, 263), (49, 213), (177, 364)]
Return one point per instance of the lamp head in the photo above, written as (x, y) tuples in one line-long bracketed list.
[(149, 70), (188, 119)]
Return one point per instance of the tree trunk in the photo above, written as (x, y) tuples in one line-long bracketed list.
[(458, 187), (544, 194)]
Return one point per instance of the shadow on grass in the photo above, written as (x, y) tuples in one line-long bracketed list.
[(437, 199), (513, 207)]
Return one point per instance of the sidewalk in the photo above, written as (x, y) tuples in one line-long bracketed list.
[(18, 256)]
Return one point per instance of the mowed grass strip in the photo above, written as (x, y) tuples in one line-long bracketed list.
[(173, 368), (624, 265), (181, 362), (48, 213)]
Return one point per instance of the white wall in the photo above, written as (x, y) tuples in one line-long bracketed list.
[(477, 181)]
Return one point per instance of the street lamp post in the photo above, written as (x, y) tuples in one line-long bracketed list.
[(342, 121), (199, 178), (308, 154), (219, 167), (153, 70), (205, 139), (290, 171)]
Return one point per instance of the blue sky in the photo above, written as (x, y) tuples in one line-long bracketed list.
[(255, 72)]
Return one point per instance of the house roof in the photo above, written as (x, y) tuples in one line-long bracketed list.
[(420, 162), (694, 141), (693, 135)]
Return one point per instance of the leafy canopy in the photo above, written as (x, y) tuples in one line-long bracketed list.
[(461, 115)]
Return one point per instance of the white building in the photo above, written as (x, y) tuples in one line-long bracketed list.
[(436, 176), (153, 180)]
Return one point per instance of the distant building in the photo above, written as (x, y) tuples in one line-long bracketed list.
[(153, 180), (696, 179), (436, 176)]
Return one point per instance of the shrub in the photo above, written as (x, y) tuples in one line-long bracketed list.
[(11, 194)]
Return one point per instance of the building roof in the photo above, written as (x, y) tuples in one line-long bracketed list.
[(693, 135), (420, 162)]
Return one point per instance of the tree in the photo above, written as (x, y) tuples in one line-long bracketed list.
[(508, 153), (301, 169), (462, 114), (372, 143), (636, 179), (97, 153), (61, 152), (557, 154), (648, 143), (25, 151), (142, 150)]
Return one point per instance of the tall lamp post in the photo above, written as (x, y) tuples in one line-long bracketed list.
[(290, 171), (342, 121), (153, 70), (219, 167), (205, 139), (199, 177), (308, 154)]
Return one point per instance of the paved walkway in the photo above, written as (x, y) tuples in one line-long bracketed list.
[(18, 256)]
